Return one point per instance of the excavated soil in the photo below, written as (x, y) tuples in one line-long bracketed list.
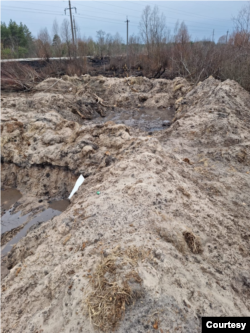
[(158, 234)]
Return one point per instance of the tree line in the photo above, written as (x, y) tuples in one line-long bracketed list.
[(155, 49), (16, 40)]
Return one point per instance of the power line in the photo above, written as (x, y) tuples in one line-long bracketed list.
[(27, 8), (32, 11), (137, 17), (176, 10), (197, 29), (56, 13), (100, 18), (162, 11), (109, 11), (136, 25), (72, 28), (160, 6), (189, 25), (79, 3), (117, 21), (32, 3)]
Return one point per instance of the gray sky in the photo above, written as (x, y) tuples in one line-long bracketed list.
[(201, 17)]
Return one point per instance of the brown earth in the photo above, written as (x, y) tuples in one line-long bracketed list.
[(167, 239)]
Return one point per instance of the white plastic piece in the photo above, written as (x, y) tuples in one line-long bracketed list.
[(78, 183)]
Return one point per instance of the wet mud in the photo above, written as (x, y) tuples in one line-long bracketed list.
[(143, 119), (42, 217), (11, 221), (8, 198), (60, 205), (15, 226)]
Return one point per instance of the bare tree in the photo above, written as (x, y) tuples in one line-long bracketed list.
[(181, 51), (157, 26), (181, 33), (144, 27), (135, 49), (101, 41), (109, 44), (153, 31), (117, 44), (241, 34), (242, 21), (65, 35), (56, 41), (43, 44)]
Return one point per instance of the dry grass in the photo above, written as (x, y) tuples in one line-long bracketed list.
[(18, 270), (67, 67), (66, 239), (15, 76), (193, 242), (115, 285)]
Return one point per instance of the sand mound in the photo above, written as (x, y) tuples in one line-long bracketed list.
[(168, 233), (87, 97)]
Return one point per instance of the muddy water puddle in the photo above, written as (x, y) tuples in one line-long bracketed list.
[(147, 120), (15, 227), (10, 221), (60, 205), (42, 217), (8, 198)]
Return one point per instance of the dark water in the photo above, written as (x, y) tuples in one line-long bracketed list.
[(10, 221), (60, 205), (9, 197), (42, 217), (144, 119)]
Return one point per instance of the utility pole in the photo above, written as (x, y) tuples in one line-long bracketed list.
[(74, 23), (72, 29), (227, 36), (127, 33)]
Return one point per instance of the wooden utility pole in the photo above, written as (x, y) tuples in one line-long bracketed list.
[(72, 29), (127, 33), (74, 23)]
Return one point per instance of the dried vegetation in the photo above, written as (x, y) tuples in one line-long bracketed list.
[(193, 242), (18, 77), (115, 285)]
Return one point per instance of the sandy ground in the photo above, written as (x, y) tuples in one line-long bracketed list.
[(169, 230)]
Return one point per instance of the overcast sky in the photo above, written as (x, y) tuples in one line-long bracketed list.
[(201, 17)]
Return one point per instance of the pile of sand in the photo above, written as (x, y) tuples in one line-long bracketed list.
[(87, 97), (168, 234)]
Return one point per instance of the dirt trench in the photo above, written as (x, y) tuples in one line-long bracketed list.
[(161, 221)]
